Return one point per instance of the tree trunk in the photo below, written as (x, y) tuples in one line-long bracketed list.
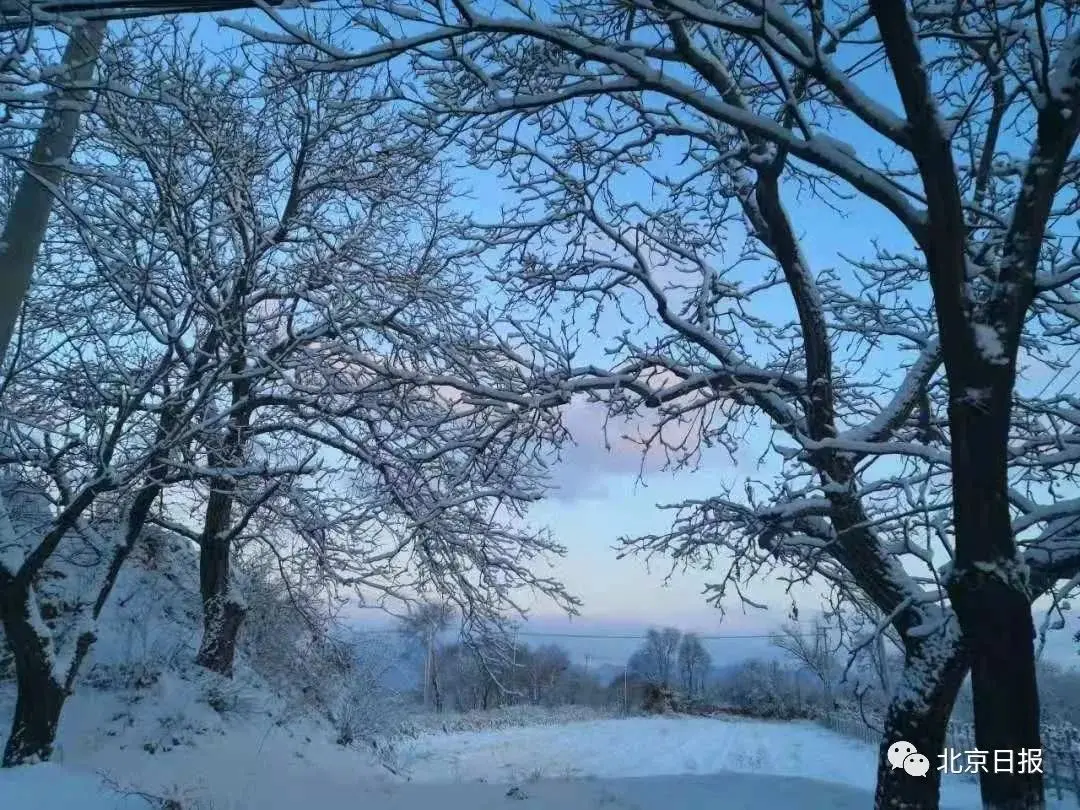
[(1000, 635), (918, 713), (40, 693), (990, 592), (29, 213), (222, 612)]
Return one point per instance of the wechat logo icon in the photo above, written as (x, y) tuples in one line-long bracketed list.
[(902, 754)]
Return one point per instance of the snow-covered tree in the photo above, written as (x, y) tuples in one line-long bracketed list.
[(656, 660), (694, 664), (424, 623), (95, 410), (311, 225), (471, 676), (811, 651), (765, 689), (910, 476), (544, 667), (97, 404), (21, 68), (242, 314)]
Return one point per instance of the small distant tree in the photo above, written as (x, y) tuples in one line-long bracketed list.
[(546, 667), (811, 652), (694, 663), (424, 623), (474, 675), (580, 687), (655, 661), (764, 689)]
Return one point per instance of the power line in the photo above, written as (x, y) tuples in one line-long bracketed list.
[(639, 636), (626, 636)]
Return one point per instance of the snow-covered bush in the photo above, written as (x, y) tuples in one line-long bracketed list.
[(290, 638), (1061, 737), (280, 631), (367, 708), (659, 699), (227, 696), (519, 716), (363, 715), (127, 676), (768, 690)]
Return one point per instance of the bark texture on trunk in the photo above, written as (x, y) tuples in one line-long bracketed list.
[(1003, 680), (990, 592), (222, 613), (222, 619), (934, 669), (41, 695)]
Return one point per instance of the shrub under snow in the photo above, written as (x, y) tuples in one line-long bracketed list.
[(505, 717)]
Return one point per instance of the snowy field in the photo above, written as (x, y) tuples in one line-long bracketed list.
[(617, 764), (49, 787), (648, 747)]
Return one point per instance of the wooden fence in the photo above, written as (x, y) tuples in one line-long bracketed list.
[(1060, 753), (852, 727)]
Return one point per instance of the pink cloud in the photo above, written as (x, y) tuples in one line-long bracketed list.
[(606, 445)]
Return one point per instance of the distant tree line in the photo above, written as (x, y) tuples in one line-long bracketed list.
[(490, 673), (495, 671)]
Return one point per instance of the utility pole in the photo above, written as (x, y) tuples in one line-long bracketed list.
[(427, 668), (579, 687), (823, 656), (882, 665)]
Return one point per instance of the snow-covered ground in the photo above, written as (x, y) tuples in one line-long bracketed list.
[(64, 789), (652, 746), (632, 763), (54, 787), (643, 747)]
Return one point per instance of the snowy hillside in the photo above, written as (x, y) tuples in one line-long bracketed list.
[(142, 696)]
